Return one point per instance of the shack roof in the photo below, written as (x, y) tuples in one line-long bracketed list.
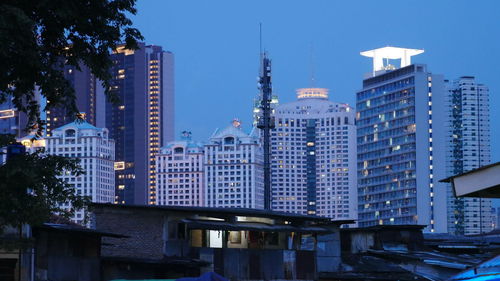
[(225, 212), (385, 227), (481, 182), (72, 229), (252, 226)]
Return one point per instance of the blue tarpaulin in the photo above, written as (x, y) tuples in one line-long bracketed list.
[(488, 270), (209, 276)]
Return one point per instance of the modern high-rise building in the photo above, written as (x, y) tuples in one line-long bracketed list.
[(143, 119), (234, 175), (314, 156), (400, 143), (95, 150), (180, 174), (468, 148), (12, 121), (86, 88)]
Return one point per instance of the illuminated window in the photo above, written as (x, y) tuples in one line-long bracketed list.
[(119, 166)]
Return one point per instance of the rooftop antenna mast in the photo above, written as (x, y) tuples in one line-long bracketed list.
[(313, 78), (265, 122)]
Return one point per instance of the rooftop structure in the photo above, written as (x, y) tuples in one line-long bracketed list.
[(392, 53), (312, 93)]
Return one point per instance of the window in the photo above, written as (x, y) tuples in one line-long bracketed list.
[(70, 133)]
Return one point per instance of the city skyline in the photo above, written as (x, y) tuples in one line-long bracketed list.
[(218, 63), (236, 140), (116, 117)]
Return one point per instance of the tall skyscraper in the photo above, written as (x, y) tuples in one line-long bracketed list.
[(180, 173), (234, 175), (400, 139), (143, 121), (95, 150), (468, 139), (314, 156), (86, 88)]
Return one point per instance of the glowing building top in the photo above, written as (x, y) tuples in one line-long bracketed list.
[(392, 53), (312, 93)]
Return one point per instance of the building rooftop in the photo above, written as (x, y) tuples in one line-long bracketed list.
[(233, 130), (230, 130), (77, 124)]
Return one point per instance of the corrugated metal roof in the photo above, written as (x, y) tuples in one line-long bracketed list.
[(77, 229), (237, 226), (227, 212)]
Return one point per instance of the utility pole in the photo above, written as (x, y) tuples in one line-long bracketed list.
[(266, 123)]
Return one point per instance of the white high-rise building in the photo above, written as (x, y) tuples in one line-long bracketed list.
[(179, 173), (234, 174), (400, 139), (468, 148), (314, 156), (96, 153)]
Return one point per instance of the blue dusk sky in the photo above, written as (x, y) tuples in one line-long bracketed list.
[(216, 47)]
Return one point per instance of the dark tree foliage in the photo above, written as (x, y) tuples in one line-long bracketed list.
[(39, 36), (31, 189)]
